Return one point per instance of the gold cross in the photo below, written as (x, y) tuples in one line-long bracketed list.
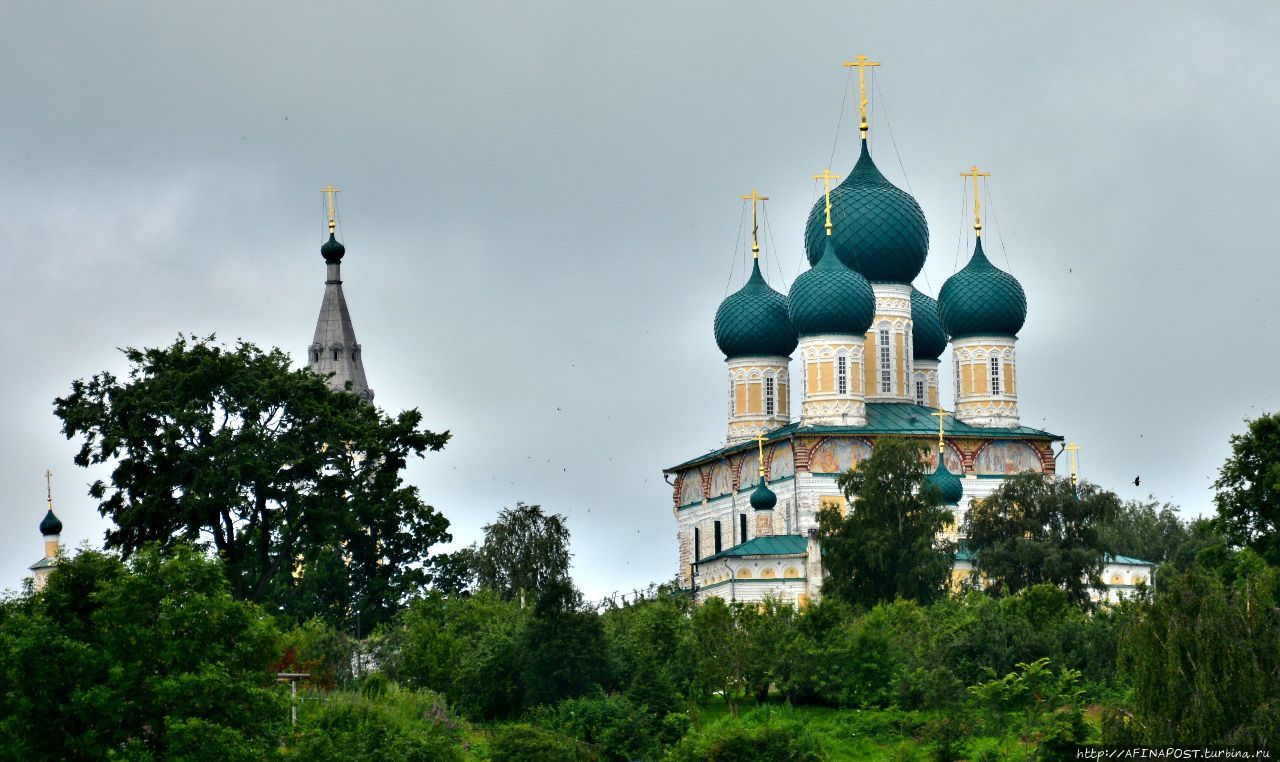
[(862, 63), (760, 442), (328, 191), (826, 177), (940, 415), (754, 197), (48, 487), (977, 216), (1073, 449)]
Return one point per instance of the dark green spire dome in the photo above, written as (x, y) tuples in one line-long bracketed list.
[(982, 300), (928, 340), (332, 250), (831, 298), (948, 484), (50, 524), (883, 233), (763, 499), (752, 321)]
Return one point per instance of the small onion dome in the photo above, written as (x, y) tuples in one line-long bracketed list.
[(884, 235), (927, 337), (752, 321), (50, 525), (332, 250), (831, 298), (948, 484), (763, 499), (982, 300)]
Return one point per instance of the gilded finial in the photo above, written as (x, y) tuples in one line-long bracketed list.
[(977, 209), (760, 443), (328, 191), (48, 487), (940, 414), (862, 63), (754, 197), (826, 177), (1073, 449)]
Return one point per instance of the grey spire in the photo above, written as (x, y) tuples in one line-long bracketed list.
[(334, 350)]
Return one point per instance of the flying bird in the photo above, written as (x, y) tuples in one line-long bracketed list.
[(1137, 481)]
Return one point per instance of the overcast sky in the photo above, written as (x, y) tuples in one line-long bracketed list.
[(540, 207)]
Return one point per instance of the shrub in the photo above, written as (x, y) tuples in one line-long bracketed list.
[(394, 724), (521, 742), (770, 740)]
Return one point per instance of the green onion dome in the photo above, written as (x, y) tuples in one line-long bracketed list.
[(763, 499), (948, 484), (752, 321), (982, 300), (884, 235), (928, 340), (332, 250), (831, 298), (50, 524)]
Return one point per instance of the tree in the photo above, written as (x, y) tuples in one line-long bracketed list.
[(887, 545), (298, 487), (1036, 529), (720, 651), (153, 659), (524, 553), (1248, 489)]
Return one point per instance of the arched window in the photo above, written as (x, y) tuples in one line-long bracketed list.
[(315, 353), (355, 354), (336, 351), (886, 362), (995, 375), (842, 373)]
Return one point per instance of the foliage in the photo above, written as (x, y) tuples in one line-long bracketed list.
[(564, 651), (1148, 530), (612, 727), (649, 647), (297, 486), (522, 742), (768, 739), (1248, 489), (1204, 657), (1048, 707), (887, 545), (1036, 529), (392, 725), (524, 553), (322, 652), (152, 659), (719, 646)]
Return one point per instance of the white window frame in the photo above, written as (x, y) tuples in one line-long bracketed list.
[(770, 394), (842, 373), (921, 398), (995, 375), (885, 350)]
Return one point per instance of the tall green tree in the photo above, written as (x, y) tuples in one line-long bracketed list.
[(887, 545), (286, 478), (1248, 488), (720, 651), (1035, 529), (524, 553), (152, 659)]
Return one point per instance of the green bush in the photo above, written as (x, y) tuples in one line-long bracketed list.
[(521, 742), (395, 724), (773, 739)]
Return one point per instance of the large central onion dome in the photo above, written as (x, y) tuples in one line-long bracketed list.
[(829, 298), (982, 300), (883, 235), (947, 483), (928, 340), (752, 321)]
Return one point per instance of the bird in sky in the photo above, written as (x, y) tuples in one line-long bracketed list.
[(1137, 481)]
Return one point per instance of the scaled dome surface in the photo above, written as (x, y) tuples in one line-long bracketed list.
[(948, 484), (982, 300), (753, 322), (928, 340), (763, 499), (883, 233), (829, 298), (50, 524)]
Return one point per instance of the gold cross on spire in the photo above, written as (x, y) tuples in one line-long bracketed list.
[(977, 210), (328, 191), (760, 442), (48, 487), (1073, 449), (826, 177), (754, 197), (940, 414), (862, 63)]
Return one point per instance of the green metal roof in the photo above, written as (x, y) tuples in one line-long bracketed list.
[(753, 322), (773, 545), (878, 229), (829, 298), (45, 563), (963, 554), (894, 418), (982, 300)]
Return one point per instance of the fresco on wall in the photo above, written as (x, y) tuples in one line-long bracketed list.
[(782, 464), (691, 487), (721, 479), (1007, 458), (955, 464), (749, 471), (835, 456)]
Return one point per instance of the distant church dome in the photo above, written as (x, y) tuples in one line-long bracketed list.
[(763, 499), (883, 235), (947, 483), (982, 300), (753, 322), (928, 340), (50, 525), (829, 298), (332, 250)]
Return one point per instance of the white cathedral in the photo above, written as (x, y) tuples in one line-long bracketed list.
[(868, 345)]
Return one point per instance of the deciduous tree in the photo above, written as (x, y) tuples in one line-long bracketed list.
[(1248, 489)]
